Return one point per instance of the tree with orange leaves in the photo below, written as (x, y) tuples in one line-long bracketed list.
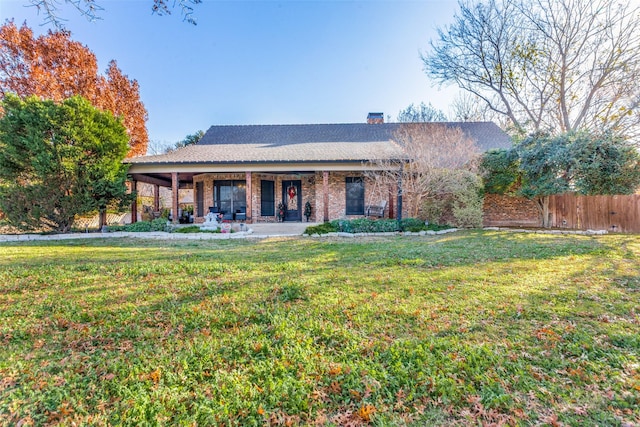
[(121, 96), (53, 66)]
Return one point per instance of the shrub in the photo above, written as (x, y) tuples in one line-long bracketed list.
[(327, 227), (365, 225), (195, 229), (412, 224), (159, 224), (114, 228), (436, 209), (140, 226), (466, 204), (189, 229)]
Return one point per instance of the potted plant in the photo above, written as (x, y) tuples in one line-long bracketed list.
[(307, 210)]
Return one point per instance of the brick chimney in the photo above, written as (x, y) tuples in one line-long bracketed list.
[(375, 118)]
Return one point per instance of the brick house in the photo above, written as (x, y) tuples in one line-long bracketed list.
[(245, 172)]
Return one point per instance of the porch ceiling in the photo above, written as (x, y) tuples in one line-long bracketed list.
[(185, 179)]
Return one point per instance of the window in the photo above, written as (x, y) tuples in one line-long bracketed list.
[(267, 198), (200, 198), (355, 196), (230, 197)]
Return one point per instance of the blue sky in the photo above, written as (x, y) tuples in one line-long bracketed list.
[(264, 62)]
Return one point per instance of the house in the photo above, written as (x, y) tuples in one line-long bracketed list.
[(246, 172)]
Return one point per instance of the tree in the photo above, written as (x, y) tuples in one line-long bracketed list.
[(422, 113), (53, 66), (156, 147), (121, 96), (59, 160), (542, 165), (546, 65), (467, 107), (188, 140), (90, 9), (439, 161), (500, 171)]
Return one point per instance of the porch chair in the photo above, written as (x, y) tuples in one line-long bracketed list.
[(376, 210), (241, 214)]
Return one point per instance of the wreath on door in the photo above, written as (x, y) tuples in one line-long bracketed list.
[(292, 203)]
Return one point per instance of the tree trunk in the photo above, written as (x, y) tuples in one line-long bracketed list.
[(543, 209), (102, 219)]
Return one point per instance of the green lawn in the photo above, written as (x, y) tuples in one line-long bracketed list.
[(468, 328)]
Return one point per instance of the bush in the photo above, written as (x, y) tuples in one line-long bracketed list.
[(415, 225), (327, 227), (412, 224), (365, 225), (436, 209), (159, 224), (189, 229), (195, 229), (467, 202)]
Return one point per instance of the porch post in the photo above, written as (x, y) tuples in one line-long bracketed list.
[(325, 194), (174, 196), (134, 202), (249, 195), (391, 210), (156, 198)]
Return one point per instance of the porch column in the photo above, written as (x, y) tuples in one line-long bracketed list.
[(156, 198), (134, 202), (391, 210), (249, 196), (325, 194), (174, 196)]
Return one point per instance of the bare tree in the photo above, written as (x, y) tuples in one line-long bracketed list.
[(157, 147), (435, 154), (91, 10), (421, 113), (552, 65)]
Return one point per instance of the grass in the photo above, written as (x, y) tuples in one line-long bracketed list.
[(469, 328)]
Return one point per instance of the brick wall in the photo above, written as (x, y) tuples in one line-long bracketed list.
[(208, 180), (507, 211), (338, 198), (308, 191), (312, 191)]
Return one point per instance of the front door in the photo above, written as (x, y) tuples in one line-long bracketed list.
[(292, 197)]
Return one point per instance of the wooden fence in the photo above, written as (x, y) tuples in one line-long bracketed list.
[(619, 214), (613, 213)]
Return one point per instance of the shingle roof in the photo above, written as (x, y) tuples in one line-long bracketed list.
[(278, 153), (310, 143)]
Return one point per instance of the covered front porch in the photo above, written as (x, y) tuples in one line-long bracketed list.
[(269, 195)]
